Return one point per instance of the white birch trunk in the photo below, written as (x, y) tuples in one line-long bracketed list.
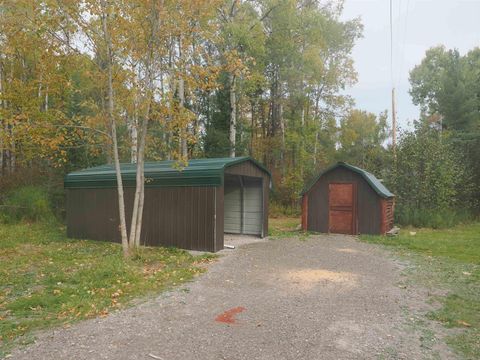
[(282, 129), (233, 115), (132, 128), (46, 98), (137, 213), (181, 96), (141, 178), (110, 110), (183, 131), (132, 123), (1, 120), (12, 150)]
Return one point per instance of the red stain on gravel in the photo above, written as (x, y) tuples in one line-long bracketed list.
[(228, 317)]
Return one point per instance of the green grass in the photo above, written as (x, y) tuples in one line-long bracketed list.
[(287, 227), (283, 227), (446, 260), (48, 280)]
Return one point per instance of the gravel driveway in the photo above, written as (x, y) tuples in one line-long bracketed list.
[(326, 297)]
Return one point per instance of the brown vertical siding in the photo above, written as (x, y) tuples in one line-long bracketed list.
[(305, 212), (173, 216), (387, 206), (368, 208), (389, 213), (383, 213), (184, 217), (248, 168), (219, 226)]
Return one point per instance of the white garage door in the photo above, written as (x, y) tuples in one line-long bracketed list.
[(253, 208), (233, 208), (243, 206)]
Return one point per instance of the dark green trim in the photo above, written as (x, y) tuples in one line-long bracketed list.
[(198, 172), (376, 184)]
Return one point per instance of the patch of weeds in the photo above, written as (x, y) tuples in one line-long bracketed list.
[(283, 227), (305, 235), (48, 280), (467, 343), (447, 262), (388, 353)]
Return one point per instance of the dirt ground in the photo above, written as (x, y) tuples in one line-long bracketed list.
[(325, 297)]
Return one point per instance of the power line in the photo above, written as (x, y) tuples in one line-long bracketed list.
[(391, 42), (405, 32), (394, 115)]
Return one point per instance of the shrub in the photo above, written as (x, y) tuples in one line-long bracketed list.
[(29, 203), (433, 187), (431, 218), (277, 210)]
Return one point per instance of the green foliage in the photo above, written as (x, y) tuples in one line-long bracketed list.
[(361, 137), (284, 227), (435, 219), (449, 261), (431, 182), (50, 280), (277, 210), (30, 203), (446, 85), (289, 190)]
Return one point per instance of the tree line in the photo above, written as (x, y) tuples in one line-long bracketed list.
[(88, 82)]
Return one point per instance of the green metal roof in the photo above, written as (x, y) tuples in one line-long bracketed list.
[(198, 172), (376, 184)]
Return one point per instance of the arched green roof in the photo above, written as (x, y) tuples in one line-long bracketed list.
[(376, 184), (198, 172)]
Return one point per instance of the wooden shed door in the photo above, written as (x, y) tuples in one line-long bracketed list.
[(341, 208)]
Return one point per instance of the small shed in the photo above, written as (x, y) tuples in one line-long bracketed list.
[(345, 199), (189, 208)]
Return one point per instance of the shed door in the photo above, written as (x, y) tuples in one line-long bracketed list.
[(253, 206), (233, 207), (341, 208)]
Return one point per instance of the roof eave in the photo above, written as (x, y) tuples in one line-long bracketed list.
[(352, 168)]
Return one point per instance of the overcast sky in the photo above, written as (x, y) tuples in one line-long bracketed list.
[(418, 25)]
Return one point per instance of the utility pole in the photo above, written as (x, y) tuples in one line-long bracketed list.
[(394, 125), (394, 113)]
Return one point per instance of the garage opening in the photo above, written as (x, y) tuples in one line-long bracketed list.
[(243, 205)]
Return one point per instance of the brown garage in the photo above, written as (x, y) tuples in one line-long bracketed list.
[(189, 208), (345, 199)]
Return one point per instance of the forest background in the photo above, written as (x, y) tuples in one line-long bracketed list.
[(83, 83)]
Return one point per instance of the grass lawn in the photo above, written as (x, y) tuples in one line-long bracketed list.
[(447, 260), (283, 227), (47, 279)]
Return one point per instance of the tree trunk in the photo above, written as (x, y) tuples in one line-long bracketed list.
[(252, 130), (282, 130), (111, 117), (12, 150), (141, 170), (181, 96), (137, 213), (233, 114), (183, 131), (132, 127), (1, 119)]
